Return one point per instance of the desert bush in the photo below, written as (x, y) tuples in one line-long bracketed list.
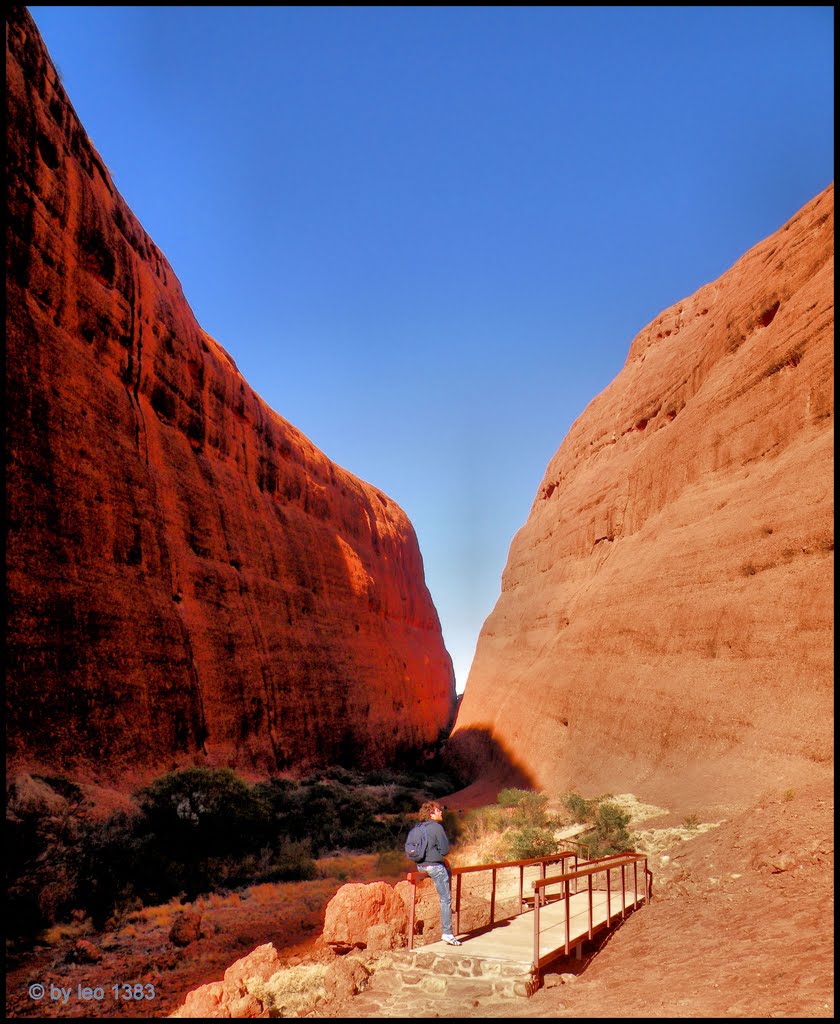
[(335, 815), (112, 866), (42, 836), (529, 841), (202, 812), (512, 797), (198, 829), (480, 822), (290, 992), (437, 784), (390, 862), (195, 831), (291, 862), (531, 812), (581, 810), (609, 834)]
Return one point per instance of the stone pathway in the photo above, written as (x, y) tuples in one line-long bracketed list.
[(429, 985)]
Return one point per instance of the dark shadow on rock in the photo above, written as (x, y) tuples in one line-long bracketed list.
[(486, 764)]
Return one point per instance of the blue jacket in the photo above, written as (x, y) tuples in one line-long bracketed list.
[(437, 843)]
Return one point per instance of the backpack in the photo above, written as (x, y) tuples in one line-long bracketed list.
[(417, 843)]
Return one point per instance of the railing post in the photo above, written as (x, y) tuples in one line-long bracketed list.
[(537, 894), (609, 901), (458, 903), (589, 877), (411, 912), (493, 899), (521, 883), (623, 895), (568, 914)]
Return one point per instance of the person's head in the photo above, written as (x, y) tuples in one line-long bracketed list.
[(430, 811)]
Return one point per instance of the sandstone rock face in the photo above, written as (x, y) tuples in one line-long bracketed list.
[(236, 995), (372, 916), (666, 615), (189, 579)]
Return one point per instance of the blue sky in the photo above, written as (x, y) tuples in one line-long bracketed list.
[(428, 235)]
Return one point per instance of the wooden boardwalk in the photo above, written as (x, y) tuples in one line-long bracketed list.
[(513, 938), (609, 889)]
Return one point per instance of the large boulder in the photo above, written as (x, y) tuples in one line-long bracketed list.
[(239, 994), (369, 915)]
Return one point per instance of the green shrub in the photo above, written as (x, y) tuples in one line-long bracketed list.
[(391, 862), (41, 853), (531, 812), (292, 862), (199, 812), (512, 797), (438, 784), (529, 809), (113, 865), (530, 841), (196, 831), (610, 833), (196, 826), (581, 810), (479, 822)]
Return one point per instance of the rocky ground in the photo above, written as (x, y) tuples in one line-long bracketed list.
[(142, 951), (741, 925)]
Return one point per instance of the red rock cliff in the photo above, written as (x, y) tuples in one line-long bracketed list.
[(188, 577), (666, 615)]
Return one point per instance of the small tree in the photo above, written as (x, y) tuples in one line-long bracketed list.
[(195, 824), (581, 810), (530, 841), (610, 833), (528, 807)]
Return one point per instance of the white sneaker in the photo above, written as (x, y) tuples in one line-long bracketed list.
[(451, 940)]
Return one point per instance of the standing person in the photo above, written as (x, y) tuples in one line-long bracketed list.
[(435, 866)]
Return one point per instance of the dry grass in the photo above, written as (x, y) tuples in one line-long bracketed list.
[(65, 932), (214, 900), (290, 992), (162, 915), (342, 867), (263, 894)]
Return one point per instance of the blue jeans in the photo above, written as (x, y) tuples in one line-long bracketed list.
[(439, 874)]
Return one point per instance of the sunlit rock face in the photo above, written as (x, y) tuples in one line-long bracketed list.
[(666, 614), (188, 577)]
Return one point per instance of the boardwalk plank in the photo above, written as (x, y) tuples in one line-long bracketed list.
[(512, 940)]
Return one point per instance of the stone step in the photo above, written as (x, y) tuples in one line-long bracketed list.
[(453, 972)]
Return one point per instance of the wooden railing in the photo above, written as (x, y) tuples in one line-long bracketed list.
[(457, 873), (590, 870)]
